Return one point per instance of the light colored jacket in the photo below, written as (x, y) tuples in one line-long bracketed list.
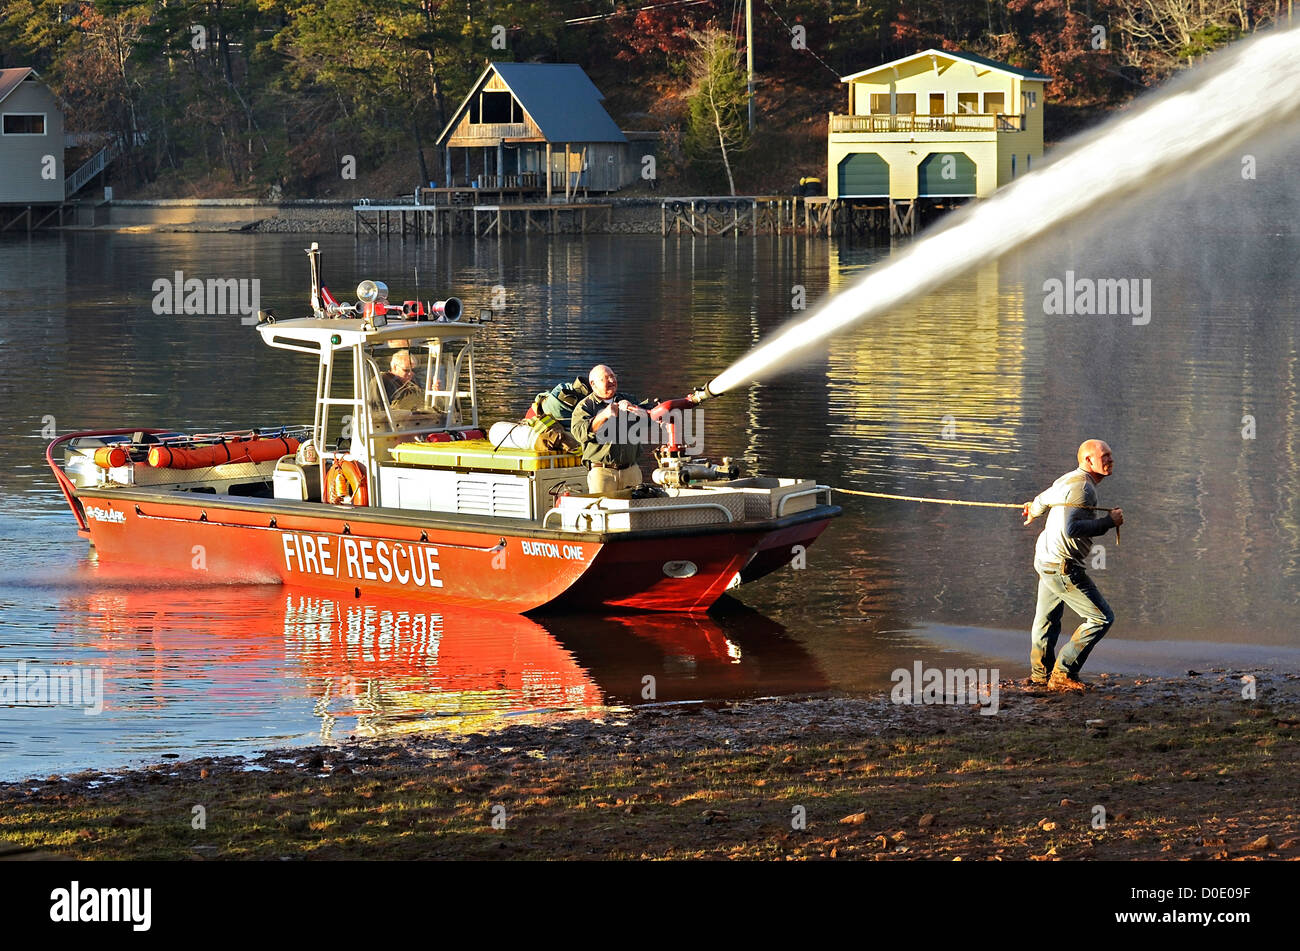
[(1071, 527)]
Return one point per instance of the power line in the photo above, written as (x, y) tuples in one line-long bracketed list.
[(807, 49), (651, 6)]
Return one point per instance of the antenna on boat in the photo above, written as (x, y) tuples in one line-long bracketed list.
[(313, 255)]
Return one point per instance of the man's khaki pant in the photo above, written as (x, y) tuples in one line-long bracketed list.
[(603, 481)]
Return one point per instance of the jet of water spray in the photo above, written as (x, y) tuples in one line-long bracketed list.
[(1249, 89)]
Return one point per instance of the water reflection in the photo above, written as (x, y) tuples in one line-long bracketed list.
[(1211, 551), (397, 667), (196, 660), (933, 396)]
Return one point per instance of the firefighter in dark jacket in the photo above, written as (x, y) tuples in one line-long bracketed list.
[(604, 424)]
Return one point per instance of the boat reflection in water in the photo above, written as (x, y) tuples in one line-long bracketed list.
[(392, 667), (731, 653), (399, 666)]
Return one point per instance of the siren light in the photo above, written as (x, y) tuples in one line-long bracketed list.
[(449, 309), (370, 291), (374, 299)]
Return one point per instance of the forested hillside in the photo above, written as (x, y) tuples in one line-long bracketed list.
[(247, 97)]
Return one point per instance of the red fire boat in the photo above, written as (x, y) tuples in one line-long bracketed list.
[(394, 489)]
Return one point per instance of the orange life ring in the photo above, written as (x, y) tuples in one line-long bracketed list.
[(346, 483)]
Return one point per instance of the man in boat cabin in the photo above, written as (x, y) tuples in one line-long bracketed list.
[(399, 384), (1059, 558), (602, 425)]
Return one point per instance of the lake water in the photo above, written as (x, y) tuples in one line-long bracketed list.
[(973, 392)]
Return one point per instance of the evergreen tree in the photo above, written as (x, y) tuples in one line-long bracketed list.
[(718, 125)]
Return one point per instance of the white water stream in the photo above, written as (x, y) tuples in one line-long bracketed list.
[(1250, 89)]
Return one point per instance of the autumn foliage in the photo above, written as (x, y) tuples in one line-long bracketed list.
[(262, 93)]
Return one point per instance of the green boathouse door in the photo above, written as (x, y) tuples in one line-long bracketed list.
[(864, 175), (946, 174)]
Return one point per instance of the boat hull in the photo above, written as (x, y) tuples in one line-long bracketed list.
[(489, 564)]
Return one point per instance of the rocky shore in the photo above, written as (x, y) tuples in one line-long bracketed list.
[(626, 216), (1183, 768), (633, 216)]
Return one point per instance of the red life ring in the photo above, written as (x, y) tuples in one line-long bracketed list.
[(346, 484)]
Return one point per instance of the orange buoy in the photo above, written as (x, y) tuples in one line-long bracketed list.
[(237, 450), (110, 457), (346, 484)]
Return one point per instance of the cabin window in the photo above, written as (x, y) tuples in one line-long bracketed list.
[(995, 102), (968, 103), (1013, 166), (433, 394), (498, 107), (937, 103), (880, 103), (19, 124), (1028, 100), (906, 103)]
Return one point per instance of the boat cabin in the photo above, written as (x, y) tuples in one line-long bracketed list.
[(400, 400)]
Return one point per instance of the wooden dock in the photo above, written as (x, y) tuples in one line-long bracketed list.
[(429, 220), (502, 219), (448, 211), (892, 217), (753, 214)]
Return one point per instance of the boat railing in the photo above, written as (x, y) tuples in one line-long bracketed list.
[(294, 432), (66, 485), (816, 490), (381, 392), (593, 510)]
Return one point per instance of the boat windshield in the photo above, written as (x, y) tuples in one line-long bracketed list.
[(419, 384)]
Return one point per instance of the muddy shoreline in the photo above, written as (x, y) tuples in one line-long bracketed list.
[(1167, 768)]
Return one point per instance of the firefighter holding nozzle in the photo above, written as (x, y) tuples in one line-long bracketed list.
[(601, 423)]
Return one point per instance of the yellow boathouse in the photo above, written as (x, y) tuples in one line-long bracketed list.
[(940, 124)]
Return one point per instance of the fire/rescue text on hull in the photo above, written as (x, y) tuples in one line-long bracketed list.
[(361, 559)]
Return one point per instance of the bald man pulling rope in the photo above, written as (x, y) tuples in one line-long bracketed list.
[(1059, 557)]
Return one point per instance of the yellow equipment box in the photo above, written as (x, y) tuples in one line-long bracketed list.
[(479, 454)]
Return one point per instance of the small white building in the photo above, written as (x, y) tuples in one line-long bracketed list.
[(31, 140)]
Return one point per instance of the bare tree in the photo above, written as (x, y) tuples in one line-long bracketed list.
[(1165, 35), (717, 127)]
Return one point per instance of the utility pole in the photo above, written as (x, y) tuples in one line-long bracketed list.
[(749, 56)]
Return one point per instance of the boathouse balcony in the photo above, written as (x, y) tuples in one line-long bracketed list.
[(463, 188), (910, 123), (482, 133)]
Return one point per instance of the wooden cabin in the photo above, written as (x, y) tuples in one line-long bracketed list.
[(938, 124), (523, 120), (31, 140)]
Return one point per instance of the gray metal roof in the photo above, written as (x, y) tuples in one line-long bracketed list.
[(11, 79), (560, 98)]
